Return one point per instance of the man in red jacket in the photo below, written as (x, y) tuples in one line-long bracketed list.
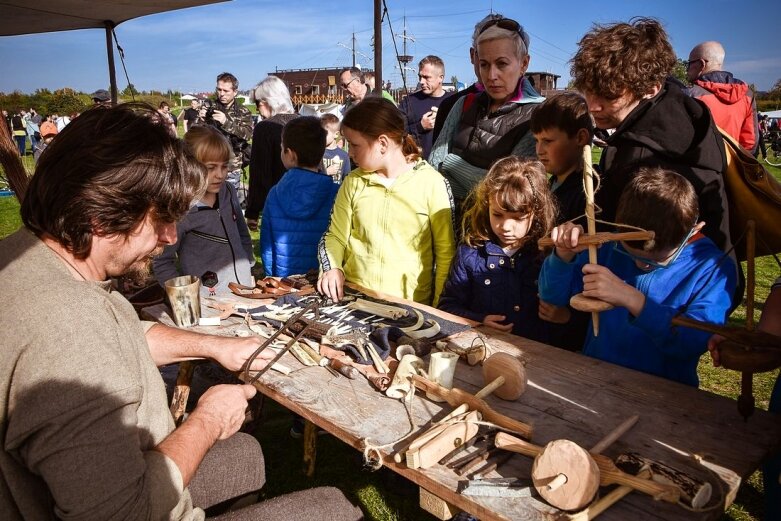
[(729, 99)]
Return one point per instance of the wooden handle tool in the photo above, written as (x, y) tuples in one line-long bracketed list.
[(600, 238), (456, 397)]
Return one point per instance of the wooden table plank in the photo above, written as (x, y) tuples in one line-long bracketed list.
[(569, 396)]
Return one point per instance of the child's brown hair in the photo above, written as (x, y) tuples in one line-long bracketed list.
[(517, 185), (567, 112), (661, 201), (208, 144)]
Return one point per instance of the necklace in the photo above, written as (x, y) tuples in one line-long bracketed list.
[(69, 263)]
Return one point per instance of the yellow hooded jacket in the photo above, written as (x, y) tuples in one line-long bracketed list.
[(397, 240)]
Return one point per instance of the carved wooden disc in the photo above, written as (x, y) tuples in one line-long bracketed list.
[(505, 364), (566, 457), (587, 304)]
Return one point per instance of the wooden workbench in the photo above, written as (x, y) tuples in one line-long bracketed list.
[(569, 396)]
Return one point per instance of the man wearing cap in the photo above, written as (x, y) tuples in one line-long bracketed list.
[(101, 97), (235, 122), (729, 99)]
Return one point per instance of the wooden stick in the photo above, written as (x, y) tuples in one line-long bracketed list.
[(613, 435), (588, 177), (606, 501), (457, 397), (603, 237)]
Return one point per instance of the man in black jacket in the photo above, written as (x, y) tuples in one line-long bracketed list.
[(655, 122)]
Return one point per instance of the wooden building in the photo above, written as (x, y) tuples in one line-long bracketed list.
[(313, 86), (544, 82)]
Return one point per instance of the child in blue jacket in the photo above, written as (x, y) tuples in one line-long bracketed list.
[(298, 208), (680, 271), (493, 278)]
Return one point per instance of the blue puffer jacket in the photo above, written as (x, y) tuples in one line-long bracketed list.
[(486, 281), (295, 216)]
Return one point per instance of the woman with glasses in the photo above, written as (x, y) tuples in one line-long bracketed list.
[(679, 271), (494, 122), (272, 98)]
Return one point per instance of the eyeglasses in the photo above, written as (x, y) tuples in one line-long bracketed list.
[(690, 62), (650, 263), (345, 85)]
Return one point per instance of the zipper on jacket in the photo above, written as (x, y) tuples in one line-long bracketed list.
[(233, 253)]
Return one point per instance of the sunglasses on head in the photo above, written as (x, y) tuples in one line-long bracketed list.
[(503, 23)]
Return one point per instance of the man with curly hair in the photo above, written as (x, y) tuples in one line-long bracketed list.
[(623, 70)]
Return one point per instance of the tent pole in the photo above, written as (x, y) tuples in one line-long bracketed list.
[(112, 74), (378, 46)]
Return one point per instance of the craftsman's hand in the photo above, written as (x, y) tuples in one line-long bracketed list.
[(221, 409), (713, 349), (331, 284), (202, 114), (232, 353), (428, 120), (493, 322), (219, 117), (554, 314), (600, 283), (565, 240)]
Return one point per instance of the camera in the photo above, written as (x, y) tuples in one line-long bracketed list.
[(208, 105)]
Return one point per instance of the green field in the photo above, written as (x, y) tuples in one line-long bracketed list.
[(385, 496)]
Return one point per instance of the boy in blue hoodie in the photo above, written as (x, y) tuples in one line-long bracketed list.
[(298, 208), (680, 271)]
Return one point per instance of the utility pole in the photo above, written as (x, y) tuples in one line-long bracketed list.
[(353, 49), (378, 46)]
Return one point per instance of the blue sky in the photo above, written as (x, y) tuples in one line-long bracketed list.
[(185, 50)]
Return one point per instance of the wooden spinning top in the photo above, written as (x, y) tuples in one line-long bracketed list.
[(505, 375), (565, 475)]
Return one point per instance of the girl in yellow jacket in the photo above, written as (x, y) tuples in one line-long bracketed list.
[(391, 227)]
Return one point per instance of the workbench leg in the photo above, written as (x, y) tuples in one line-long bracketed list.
[(437, 506), (310, 448)]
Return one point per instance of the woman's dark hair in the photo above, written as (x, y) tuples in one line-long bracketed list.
[(105, 172), (374, 117)]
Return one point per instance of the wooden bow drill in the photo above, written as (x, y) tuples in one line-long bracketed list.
[(593, 239), (743, 349)]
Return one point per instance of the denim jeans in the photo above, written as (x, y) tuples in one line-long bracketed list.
[(21, 142)]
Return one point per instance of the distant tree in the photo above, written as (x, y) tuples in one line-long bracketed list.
[(65, 101), (454, 81), (679, 71), (130, 90)]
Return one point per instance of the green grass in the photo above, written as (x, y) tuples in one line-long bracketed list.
[(385, 496)]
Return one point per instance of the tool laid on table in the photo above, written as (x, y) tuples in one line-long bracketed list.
[(311, 307), (568, 477)]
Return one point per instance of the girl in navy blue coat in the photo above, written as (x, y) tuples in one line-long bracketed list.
[(493, 279)]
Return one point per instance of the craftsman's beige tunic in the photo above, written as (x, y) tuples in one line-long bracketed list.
[(81, 402)]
